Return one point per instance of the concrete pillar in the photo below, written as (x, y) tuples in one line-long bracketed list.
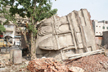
[(16, 56)]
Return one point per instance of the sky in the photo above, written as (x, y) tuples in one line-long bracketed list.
[(98, 8)]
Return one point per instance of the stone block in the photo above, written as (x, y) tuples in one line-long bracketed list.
[(17, 56)]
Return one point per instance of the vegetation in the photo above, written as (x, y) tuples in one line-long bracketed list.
[(36, 10), (2, 29)]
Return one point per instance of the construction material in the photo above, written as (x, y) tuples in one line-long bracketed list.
[(75, 56), (93, 63), (16, 56), (50, 65), (76, 69), (46, 65)]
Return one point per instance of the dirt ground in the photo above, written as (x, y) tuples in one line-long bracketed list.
[(7, 66), (93, 63)]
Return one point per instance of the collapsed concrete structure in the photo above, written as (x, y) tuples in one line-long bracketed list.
[(61, 37)]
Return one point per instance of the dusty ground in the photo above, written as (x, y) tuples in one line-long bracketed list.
[(7, 66), (94, 63)]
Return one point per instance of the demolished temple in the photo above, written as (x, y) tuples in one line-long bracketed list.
[(64, 37)]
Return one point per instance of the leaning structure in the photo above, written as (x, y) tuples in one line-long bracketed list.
[(62, 37)]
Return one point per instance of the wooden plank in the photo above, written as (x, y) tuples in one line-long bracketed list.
[(75, 56)]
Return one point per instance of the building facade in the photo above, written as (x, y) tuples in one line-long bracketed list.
[(100, 27), (9, 33), (13, 33)]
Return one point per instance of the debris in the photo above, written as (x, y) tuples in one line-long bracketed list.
[(23, 69), (106, 52), (47, 65), (85, 54), (2, 65), (2, 69), (27, 62), (104, 64), (93, 63), (76, 69)]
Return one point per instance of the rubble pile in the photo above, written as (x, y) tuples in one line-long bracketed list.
[(94, 63), (47, 65)]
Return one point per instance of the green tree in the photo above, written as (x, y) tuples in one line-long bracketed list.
[(36, 10), (2, 29)]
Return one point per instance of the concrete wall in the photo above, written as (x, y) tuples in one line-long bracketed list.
[(105, 39), (99, 40)]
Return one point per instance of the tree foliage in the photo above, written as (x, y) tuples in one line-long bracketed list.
[(2, 29), (34, 9)]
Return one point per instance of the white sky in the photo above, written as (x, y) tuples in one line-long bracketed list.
[(98, 8)]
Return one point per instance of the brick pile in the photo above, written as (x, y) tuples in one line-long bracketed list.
[(93, 63), (47, 65)]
